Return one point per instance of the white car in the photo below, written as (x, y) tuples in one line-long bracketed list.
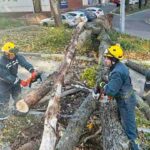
[(97, 11), (77, 15), (133, 1), (66, 19)]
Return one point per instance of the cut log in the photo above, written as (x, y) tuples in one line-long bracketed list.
[(35, 96), (137, 67), (76, 125), (49, 137)]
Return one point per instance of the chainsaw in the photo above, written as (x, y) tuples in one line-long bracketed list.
[(38, 77)]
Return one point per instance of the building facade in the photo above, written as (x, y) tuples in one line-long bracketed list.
[(7, 6)]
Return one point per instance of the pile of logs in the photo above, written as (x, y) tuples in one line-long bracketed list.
[(112, 134)]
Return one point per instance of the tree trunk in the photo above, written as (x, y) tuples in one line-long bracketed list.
[(55, 12), (127, 4), (137, 67), (113, 134), (76, 125), (49, 138), (143, 107), (140, 4), (146, 96), (145, 4), (37, 6), (35, 96)]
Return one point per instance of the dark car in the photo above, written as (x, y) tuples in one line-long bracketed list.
[(90, 15)]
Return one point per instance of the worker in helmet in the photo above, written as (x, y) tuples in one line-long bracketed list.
[(10, 84), (120, 88)]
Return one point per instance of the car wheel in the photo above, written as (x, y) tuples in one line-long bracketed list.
[(45, 24)]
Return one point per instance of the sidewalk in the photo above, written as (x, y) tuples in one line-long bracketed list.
[(135, 24)]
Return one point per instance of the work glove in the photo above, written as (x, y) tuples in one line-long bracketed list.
[(95, 95), (24, 83), (102, 85), (34, 75), (99, 90)]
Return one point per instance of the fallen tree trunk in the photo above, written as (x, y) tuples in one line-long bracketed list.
[(146, 96), (76, 125), (143, 107), (65, 93), (137, 67), (35, 96), (50, 134), (113, 134)]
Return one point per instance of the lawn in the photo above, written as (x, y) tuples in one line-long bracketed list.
[(8, 23)]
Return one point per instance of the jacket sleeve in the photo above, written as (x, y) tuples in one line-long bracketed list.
[(6, 76), (23, 62), (114, 85)]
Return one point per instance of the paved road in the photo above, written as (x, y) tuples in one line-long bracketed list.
[(135, 24)]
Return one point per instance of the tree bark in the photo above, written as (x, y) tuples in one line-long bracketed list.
[(140, 4), (37, 6), (137, 67), (146, 96), (55, 12), (143, 107), (50, 134), (76, 125), (34, 97), (113, 134), (145, 4)]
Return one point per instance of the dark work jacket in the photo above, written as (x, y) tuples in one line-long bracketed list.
[(119, 83), (9, 69)]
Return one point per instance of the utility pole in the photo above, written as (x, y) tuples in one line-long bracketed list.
[(122, 16)]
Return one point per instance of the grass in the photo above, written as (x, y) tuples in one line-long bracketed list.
[(39, 39), (7, 23), (135, 48)]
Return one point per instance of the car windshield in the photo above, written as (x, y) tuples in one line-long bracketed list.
[(72, 14), (68, 16)]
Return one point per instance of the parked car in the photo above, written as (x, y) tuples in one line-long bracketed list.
[(96, 10), (78, 15), (66, 19), (89, 14)]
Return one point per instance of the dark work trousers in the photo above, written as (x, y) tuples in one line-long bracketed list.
[(127, 114), (7, 90)]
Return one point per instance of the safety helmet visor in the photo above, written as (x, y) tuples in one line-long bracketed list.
[(107, 53)]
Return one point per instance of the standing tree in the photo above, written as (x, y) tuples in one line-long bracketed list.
[(37, 6), (55, 11), (145, 2), (127, 5), (140, 4)]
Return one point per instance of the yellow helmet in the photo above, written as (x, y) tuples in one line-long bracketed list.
[(9, 48), (114, 51)]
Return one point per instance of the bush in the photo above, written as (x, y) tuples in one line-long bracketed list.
[(89, 76)]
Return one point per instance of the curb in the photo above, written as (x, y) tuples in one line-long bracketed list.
[(58, 56)]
